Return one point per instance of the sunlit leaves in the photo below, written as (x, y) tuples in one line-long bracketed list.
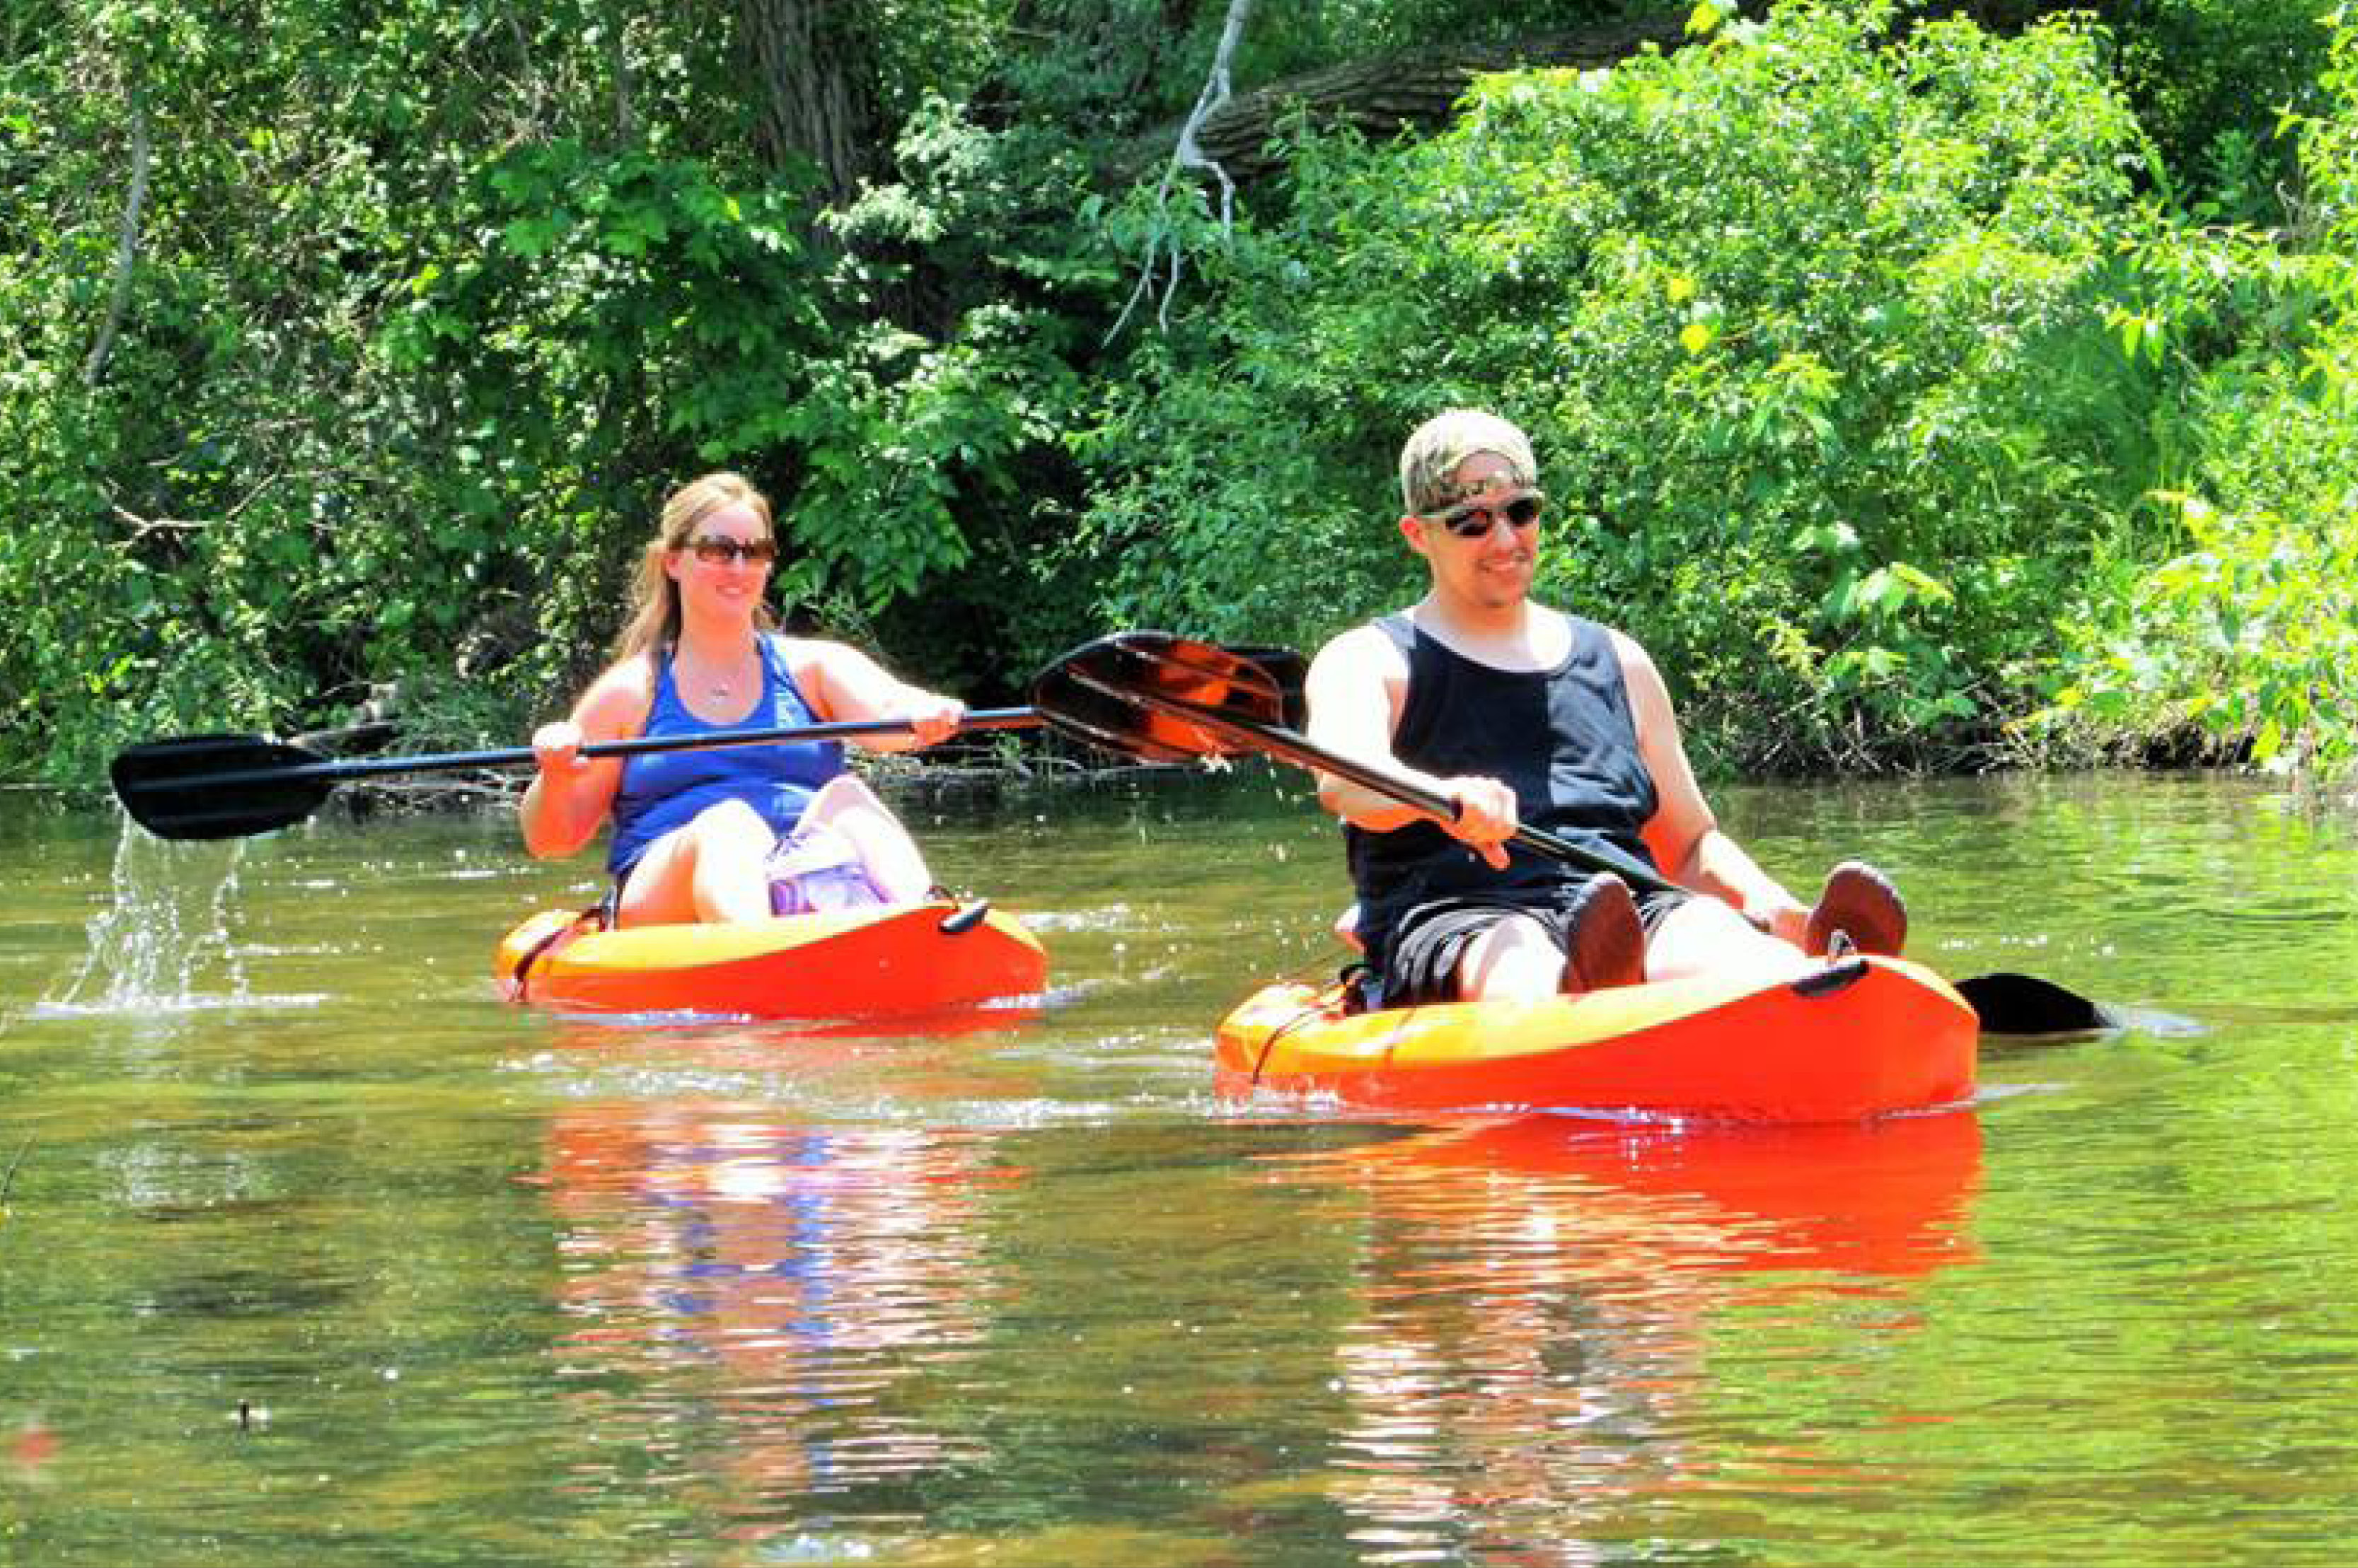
[(1793, 287), (2142, 332), (2249, 629)]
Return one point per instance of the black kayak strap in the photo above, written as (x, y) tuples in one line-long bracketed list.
[(595, 915)]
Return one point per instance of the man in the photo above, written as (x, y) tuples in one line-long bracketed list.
[(1523, 714)]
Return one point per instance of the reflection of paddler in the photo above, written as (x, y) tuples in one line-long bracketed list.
[(779, 1284)]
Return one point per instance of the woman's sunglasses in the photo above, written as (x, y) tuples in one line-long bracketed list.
[(716, 551), (1476, 522)]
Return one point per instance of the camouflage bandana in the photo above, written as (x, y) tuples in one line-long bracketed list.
[(1445, 440)]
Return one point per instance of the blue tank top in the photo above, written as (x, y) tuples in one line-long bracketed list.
[(1561, 739), (664, 790)]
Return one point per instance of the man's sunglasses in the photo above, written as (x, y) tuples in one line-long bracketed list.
[(1471, 521), (712, 549)]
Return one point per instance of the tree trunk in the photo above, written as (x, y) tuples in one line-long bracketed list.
[(817, 87)]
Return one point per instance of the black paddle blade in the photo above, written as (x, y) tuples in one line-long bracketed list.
[(217, 787), (2027, 1005), (1092, 693)]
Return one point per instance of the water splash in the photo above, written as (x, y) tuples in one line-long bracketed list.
[(165, 932)]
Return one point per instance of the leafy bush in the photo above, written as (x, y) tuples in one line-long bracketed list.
[(1812, 334), (2209, 79), (429, 307), (2250, 627)]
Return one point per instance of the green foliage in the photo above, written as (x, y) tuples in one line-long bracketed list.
[(2209, 78), (1809, 332), (429, 306), (2249, 629), (919, 440), (594, 325), (1856, 368), (173, 495), (2251, 633)]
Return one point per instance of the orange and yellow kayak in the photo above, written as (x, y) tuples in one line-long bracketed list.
[(1867, 1037), (884, 962)]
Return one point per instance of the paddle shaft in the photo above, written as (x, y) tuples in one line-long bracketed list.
[(511, 756), (1289, 746)]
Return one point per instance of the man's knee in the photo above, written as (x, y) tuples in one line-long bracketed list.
[(1707, 936), (1517, 956)]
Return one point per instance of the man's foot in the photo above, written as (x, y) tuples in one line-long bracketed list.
[(1605, 944), (1859, 902)]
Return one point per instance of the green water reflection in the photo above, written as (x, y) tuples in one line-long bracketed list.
[(317, 1253)]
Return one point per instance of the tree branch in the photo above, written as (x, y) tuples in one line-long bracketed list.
[(625, 122), (126, 246), (1408, 89), (1189, 154), (1417, 89)]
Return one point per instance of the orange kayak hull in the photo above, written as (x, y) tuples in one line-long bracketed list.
[(886, 962), (1895, 1038)]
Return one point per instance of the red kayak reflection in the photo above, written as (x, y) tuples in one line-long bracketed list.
[(1550, 1309), (1884, 1197)]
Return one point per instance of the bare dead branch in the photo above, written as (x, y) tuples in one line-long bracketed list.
[(127, 244), (141, 528), (1188, 155), (1381, 94)]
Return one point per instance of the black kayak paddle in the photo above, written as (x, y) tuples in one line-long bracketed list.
[(230, 787)]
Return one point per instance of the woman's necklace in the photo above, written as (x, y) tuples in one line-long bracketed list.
[(721, 683)]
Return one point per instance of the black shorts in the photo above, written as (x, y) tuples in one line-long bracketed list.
[(1431, 939)]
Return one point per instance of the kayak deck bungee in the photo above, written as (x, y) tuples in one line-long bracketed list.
[(882, 962), (1863, 1038)]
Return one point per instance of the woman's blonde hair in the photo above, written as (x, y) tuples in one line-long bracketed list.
[(654, 598)]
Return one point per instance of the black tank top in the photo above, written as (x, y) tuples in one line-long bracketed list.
[(1561, 739)]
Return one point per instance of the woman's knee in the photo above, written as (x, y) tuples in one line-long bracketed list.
[(841, 793), (730, 827)]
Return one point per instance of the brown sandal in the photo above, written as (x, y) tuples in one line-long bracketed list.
[(1605, 942), (1859, 902)]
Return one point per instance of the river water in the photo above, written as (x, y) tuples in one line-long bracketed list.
[(313, 1252)]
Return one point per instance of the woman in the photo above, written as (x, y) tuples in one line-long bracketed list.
[(740, 832)]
